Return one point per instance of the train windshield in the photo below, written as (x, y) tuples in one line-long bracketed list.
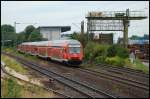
[(74, 50)]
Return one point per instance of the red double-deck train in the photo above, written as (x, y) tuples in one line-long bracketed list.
[(68, 51)]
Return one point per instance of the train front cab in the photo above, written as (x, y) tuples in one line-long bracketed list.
[(75, 54)]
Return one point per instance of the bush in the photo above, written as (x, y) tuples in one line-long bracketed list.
[(88, 50), (117, 61), (113, 55), (100, 59), (112, 51), (116, 50), (95, 52), (123, 52)]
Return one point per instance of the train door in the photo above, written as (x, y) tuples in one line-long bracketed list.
[(61, 52), (49, 52)]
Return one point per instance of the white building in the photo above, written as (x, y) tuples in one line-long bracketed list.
[(53, 32)]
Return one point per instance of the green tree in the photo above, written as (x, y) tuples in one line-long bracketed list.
[(146, 36), (8, 35), (35, 36), (21, 37), (7, 28), (28, 30), (80, 37), (135, 37)]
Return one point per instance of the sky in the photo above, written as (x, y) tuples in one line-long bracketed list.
[(69, 13)]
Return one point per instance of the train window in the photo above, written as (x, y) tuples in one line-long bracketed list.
[(74, 49)]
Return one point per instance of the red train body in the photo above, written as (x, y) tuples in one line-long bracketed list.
[(68, 51)]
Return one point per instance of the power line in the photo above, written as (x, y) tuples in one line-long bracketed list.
[(15, 23), (76, 25)]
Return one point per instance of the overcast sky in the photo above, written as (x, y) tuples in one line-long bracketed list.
[(69, 13)]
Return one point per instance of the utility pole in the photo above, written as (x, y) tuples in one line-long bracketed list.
[(21, 23), (15, 23), (82, 27), (76, 25), (2, 40), (125, 32), (88, 30), (15, 26)]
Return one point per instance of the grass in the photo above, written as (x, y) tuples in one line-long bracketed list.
[(11, 89), (26, 90), (10, 62), (34, 92), (14, 51), (138, 65)]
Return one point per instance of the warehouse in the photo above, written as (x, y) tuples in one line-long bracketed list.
[(53, 32)]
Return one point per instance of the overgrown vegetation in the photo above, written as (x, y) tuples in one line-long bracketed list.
[(110, 54), (140, 66), (95, 52), (137, 65), (116, 50), (13, 64), (10, 88), (25, 55)]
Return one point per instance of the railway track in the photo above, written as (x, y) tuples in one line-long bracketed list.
[(123, 80), (123, 70), (126, 81), (138, 85), (48, 89), (82, 88)]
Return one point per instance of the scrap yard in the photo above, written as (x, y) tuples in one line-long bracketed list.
[(75, 49)]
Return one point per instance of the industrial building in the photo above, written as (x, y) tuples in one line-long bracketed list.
[(53, 32), (139, 46), (102, 38)]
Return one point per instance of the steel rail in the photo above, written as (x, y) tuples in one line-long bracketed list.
[(48, 89), (126, 81), (123, 70), (78, 86)]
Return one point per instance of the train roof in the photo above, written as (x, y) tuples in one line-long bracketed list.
[(53, 43), (36, 43)]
